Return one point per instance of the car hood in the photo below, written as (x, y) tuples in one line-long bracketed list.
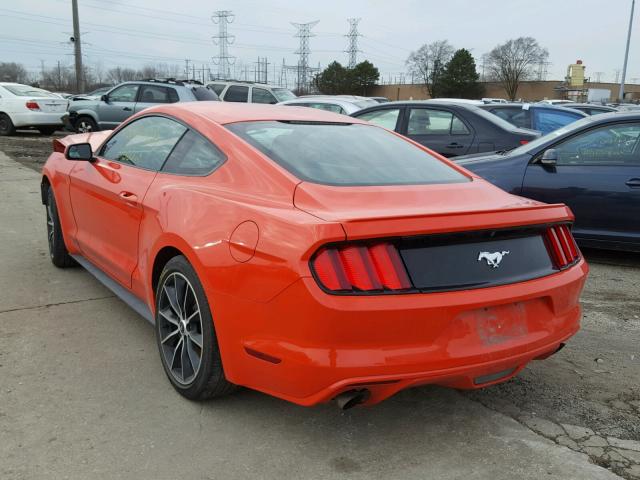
[(410, 209)]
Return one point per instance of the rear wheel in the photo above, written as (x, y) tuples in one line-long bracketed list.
[(86, 124), (57, 250), (47, 130), (6, 125), (185, 334)]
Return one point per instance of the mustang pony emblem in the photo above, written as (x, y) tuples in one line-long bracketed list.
[(493, 259)]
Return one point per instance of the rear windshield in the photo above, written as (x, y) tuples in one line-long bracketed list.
[(491, 117), (27, 91), (203, 93), (345, 154)]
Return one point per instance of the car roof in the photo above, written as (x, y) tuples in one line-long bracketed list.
[(590, 105), (548, 106), (231, 112)]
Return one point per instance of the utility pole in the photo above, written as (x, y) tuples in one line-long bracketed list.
[(77, 47), (304, 33), (617, 73), (598, 76), (353, 35), (186, 68), (224, 61), (626, 53)]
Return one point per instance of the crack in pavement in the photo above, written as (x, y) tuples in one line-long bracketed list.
[(46, 305)]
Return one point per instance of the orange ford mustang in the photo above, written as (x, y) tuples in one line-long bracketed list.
[(309, 255)]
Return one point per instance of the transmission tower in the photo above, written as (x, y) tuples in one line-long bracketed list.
[(304, 33), (353, 41), (224, 61)]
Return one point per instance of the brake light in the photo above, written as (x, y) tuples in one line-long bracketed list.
[(562, 246), (31, 105), (524, 142), (361, 268)]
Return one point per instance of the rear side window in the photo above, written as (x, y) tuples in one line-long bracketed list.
[(236, 93), (549, 120), (204, 94), (345, 154), (216, 87), (193, 155), (156, 94), (144, 143), (387, 118), (516, 116), (260, 95)]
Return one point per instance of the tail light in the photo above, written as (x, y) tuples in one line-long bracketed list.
[(31, 105), (355, 268), (524, 142), (562, 246)]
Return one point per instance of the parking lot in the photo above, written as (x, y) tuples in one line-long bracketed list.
[(83, 394)]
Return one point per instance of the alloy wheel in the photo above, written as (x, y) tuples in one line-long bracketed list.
[(50, 227), (84, 127), (180, 324)]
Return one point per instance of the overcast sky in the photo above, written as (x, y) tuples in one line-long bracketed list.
[(138, 32)]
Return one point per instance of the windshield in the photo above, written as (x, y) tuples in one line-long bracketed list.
[(282, 94), (27, 91), (365, 103), (534, 144), (345, 154)]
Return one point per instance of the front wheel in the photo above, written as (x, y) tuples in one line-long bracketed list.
[(185, 334), (57, 250), (86, 124)]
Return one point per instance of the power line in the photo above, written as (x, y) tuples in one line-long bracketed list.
[(224, 61), (353, 35), (303, 33)]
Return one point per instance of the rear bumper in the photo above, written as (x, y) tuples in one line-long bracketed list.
[(307, 346), (36, 119)]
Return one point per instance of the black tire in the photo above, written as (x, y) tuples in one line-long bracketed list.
[(86, 124), (47, 130), (207, 380), (6, 125), (57, 250)]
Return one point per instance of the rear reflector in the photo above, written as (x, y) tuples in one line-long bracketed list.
[(562, 247), (356, 268), (31, 105)]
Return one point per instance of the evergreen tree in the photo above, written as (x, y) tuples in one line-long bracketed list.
[(460, 79)]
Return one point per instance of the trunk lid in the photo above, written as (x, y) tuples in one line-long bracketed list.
[(50, 104), (404, 210)]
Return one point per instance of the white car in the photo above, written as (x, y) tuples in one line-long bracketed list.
[(22, 106), (249, 92), (557, 102), (344, 104)]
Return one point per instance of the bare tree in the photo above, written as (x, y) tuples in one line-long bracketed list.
[(13, 72), (428, 63), (515, 61)]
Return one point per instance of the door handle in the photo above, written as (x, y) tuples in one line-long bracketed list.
[(455, 145), (127, 109), (129, 198), (633, 183)]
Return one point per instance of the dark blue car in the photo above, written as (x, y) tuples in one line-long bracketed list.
[(535, 116), (592, 165)]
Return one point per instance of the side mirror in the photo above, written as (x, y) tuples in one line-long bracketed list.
[(549, 157), (79, 152), (105, 98)]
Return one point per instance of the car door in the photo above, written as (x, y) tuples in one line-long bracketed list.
[(119, 106), (438, 129), (107, 194), (151, 95), (597, 174)]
